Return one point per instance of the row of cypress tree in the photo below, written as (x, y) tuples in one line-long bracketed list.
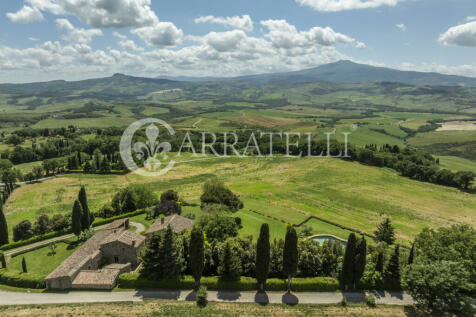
[(228, 268)]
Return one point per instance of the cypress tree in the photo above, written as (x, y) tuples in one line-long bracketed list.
[(360, 260), (3, 227), (2, 259), (379, 265), (410, 257), (290, 255), (262, 256), (347, 274), (393, 269), (23, 265), (76, 217), (85, 217), (197, 254), (78, 158), (230, 263)]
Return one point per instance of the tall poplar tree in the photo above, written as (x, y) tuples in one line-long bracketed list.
[(85, 216), (76, 218), (197, 254), (360, 260), (262, 256), (290, 255), (412, 254), (23, 265), (3, 227), (347, 275)]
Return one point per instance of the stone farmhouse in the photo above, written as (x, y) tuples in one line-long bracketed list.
[(176, 222), (99, 261)]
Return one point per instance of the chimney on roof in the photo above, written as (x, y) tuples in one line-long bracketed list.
[(162, 220), (133, 243), (114, 230)]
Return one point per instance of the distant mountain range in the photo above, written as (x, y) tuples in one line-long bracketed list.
[(348, 72), (121, 86)]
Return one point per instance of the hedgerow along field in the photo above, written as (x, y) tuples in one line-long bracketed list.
[(287, 189)]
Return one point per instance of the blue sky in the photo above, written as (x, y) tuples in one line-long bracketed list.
[(77, 39)]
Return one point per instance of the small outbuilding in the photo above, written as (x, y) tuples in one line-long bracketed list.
[(176, 222)]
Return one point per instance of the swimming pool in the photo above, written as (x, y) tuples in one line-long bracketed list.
[(321, 238)]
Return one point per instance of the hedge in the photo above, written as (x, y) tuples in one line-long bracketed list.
[(24, 280), (111, 219), (321, 284), (34, 239)]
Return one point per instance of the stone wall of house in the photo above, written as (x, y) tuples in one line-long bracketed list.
[(124, 253), (63, 282)]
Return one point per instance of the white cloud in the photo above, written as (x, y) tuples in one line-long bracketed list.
[(119, 35), (461, 70), (401, 26), (129, 45), (225, 41), (231, 53), (244, 22), (284, 35), (341, 5), (76, 35), (101, 13), (161, 34), (460, 35), (26, 14), (34, 39), (469, 19)]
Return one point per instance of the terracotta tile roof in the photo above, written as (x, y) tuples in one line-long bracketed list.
[(177, 222), (125, 237), (119, 223), (105, 277)]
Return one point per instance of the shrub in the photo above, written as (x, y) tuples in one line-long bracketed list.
[(22, 231), (24, 280), (439, 286), (343, 301), (202, 297), (370, 300), (215, 192), (218, 228), (167, 208)]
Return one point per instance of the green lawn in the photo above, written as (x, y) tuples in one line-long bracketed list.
[(41, 261), (455, 163), (27, 167)]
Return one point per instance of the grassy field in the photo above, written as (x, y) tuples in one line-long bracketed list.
[(42, 261), (287, 189), (428, 138), (455, 163), (171, 308)]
